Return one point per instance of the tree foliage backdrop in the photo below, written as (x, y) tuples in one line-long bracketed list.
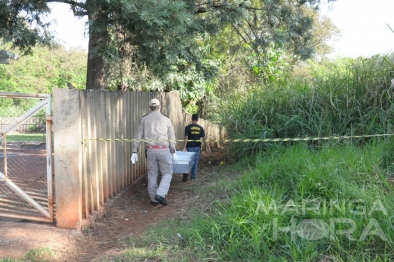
[(185, 45), (45, 70)]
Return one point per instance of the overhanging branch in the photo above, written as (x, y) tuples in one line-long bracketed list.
[(80, 5)]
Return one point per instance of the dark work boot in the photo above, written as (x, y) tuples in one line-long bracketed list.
[(185, 177), (161, 200), (155, 204)]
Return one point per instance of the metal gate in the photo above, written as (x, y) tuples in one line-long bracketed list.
[(26, 184)]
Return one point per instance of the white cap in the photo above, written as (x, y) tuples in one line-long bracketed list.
[(154, 102)]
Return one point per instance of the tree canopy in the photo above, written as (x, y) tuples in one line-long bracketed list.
[(168, 36)]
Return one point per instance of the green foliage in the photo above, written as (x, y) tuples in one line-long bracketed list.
[(8, 260), (44, 70), (163, 31), (354, 98), (169, 38), (183, 78), (323, 30), (196, 83), (387, 157), (16, 18), (273, 67)]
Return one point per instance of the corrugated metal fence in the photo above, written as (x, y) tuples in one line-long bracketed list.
[(106, 169)]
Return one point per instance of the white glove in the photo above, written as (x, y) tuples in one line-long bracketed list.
[(134, 158), (174, 157)]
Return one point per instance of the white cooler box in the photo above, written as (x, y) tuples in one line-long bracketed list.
[(185, 162)]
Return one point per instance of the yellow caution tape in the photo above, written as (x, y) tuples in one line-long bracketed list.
[(264, 140)]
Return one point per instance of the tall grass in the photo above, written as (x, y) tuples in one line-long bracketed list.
[(355, 98), (295, 204)]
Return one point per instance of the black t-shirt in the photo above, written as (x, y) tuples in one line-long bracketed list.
[(194, 132)]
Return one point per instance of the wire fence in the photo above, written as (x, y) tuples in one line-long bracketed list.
[(23, 158)]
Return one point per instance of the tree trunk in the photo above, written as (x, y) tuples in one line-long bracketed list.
[(98, 40)]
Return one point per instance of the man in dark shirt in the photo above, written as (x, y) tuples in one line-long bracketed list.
[(194, 133)]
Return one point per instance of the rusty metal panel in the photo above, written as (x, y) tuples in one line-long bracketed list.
[(85, 199), (112, 156), (128, 127), (91, 150), (90, 175), (135, 119), (104, 146), (116, 144), (119, 160)]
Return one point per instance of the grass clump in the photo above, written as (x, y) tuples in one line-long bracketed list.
[(39, 254), (42, 254)]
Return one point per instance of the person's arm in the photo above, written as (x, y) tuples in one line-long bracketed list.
[(207, 145), (138, 137), (185, 143), (172, 139), (136, 144), (186, 138)]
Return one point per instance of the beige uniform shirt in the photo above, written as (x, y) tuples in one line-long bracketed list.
[(157, 129)]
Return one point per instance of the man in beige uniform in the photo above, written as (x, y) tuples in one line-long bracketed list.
[(158, 130)]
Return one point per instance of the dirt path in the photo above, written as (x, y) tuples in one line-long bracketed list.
[(131, 215)]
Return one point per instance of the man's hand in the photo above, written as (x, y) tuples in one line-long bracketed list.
[(174, 157), (134, 158), (208, 150)]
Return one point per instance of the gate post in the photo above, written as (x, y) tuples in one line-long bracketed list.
[(67, 157)]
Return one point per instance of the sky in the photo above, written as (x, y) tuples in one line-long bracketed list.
[(66, 28), (363, 25)]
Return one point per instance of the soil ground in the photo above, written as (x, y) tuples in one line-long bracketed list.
[(128, 216)]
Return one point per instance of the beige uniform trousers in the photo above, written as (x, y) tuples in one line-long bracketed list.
[(159, 159)]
